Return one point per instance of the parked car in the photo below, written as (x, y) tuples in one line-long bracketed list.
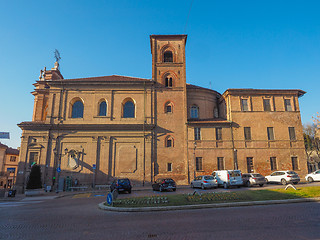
[(163, 184), (227, 178), (204, 182), (251, 179), (121, 185), (283, 177), (314, 176)]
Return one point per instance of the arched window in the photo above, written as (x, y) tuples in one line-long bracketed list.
[(168, 56), (77, 110), (194, 112), (169, 142), (168, 108), (103, 108), (128, 109), (168, 81)]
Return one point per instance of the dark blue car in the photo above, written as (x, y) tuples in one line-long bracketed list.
[(121, 185)]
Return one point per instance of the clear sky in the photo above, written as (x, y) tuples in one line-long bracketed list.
[(231, 43)]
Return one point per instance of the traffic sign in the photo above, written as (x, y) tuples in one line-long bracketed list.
[(4, 135), (58, 169), (109, 199), (94, 166)]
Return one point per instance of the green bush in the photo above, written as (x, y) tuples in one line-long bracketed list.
[(34, 181)]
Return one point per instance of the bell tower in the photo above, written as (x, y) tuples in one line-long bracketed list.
[(168, 60), (169, 74)]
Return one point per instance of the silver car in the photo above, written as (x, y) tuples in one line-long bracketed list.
[(251, 179), (206, 181)]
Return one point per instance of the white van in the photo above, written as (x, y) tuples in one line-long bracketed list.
[(227, 178)]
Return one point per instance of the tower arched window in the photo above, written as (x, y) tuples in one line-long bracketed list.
[(169, 81), (77, 109), (103, 108), (194, 112), (168, 56), (129, 109), (168, 108), (169, 142)]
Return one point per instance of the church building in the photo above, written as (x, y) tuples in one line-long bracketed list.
[(88, 131)]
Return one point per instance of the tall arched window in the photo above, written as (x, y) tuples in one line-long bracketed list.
[(194, 112), (169, 142), (103, 108), (168, 108), (168, 81), (77, 109), (128, 109), (168, 56)]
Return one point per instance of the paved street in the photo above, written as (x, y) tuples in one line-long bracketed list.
[(79, 218)]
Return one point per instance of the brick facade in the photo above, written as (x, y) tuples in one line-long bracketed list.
[(158, 140)]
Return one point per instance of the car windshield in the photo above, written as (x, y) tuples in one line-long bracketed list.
[(208, 178), (123, 180), (234, 173), (168, 181), (257, 175)]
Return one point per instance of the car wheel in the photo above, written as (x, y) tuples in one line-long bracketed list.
[(202, 187), (225, 185), (310, 179), (160, 189), (248, 184), (129, 191), (174, 189), (192, 185), (283, 181), (261, 185)]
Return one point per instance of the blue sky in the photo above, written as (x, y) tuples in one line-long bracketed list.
[(232, 44)]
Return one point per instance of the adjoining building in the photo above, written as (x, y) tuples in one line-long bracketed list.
[(98, 128), (9, 161)]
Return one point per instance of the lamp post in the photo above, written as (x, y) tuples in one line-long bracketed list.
[(194, 158), (58, 156), (235, 159)]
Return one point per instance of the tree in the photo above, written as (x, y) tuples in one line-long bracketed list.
[(34, 181)]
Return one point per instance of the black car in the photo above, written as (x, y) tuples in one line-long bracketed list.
[(163, 184), (121, 185)]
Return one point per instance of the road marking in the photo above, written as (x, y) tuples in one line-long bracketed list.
[(82, 195), (16, 204)]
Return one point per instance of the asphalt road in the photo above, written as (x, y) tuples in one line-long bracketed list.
[(79, 218)]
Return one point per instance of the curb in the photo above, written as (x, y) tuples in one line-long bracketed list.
[(201, 206)]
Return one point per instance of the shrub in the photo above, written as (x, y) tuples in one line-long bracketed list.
[(34, 180)]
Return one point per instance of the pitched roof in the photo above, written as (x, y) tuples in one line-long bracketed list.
[(112, 78)]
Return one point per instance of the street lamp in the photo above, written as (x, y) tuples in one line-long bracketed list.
[(235, 159), (194, 157)]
